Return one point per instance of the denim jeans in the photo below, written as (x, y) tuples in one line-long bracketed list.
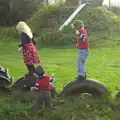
[(82, 56)]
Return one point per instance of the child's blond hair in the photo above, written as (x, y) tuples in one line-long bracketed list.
[(78, 24), (23, 27)]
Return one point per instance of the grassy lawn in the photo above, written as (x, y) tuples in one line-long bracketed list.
[(102, 64)]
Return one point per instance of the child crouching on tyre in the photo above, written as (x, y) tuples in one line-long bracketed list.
[(43, 86)]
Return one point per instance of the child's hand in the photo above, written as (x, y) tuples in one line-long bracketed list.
[(52, 74), (76, 45), (32, 89), (52, 78), (20, 49), (77, 32)]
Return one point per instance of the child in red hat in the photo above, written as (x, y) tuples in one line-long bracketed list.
[(43, 86)]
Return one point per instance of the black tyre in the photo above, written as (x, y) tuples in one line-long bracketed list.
[(25, 83), (90, 86), (19, 84), (4, 81), (117, 96)]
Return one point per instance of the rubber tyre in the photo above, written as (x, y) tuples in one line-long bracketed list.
[(90, 86), (28, 82), (4, 81), (117, 96)]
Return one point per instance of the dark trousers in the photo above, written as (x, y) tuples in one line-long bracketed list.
[(31, 69), (44, 96)]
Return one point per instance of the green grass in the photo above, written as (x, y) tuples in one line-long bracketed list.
[(102, 64)]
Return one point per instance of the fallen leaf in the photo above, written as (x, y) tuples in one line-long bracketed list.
[(87, 107), (1, 97), (73, 116), (27, 116), (96, 117), (61, 101)]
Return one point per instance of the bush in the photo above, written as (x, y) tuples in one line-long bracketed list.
[(58, 38), (39, 21), (99, 22), (114, 9), (99, 19), (8, 33), (96, 2)]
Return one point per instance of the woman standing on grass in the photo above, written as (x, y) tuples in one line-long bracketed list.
[(27, 46), (83, 46)]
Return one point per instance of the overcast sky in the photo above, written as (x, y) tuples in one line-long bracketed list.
[(112, 2)]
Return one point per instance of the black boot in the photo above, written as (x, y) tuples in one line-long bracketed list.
[(31, 70), (79, 77), (85, 75)]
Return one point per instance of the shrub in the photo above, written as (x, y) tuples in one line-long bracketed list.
[(99, 19), (114, 9), (8, 33), (99, 22)]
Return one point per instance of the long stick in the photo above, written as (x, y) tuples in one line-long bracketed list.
[(73, 15)]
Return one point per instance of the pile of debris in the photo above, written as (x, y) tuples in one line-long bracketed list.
[(5, 78)]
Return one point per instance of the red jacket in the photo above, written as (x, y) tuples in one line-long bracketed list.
[(44, 83), (81, 44)]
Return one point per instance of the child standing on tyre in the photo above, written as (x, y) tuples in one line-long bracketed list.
[(83, 46), (43, 87)]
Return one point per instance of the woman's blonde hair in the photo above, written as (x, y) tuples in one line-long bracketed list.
[(78, 24), (23, 27)]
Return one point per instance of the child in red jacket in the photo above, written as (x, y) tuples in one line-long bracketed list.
[(83, 46), (43, 87)]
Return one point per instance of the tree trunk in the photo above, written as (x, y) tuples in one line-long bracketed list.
[(109, 3), (45, 2), (72, 2), (76, 2), (4, 11), (24, 9), (96, 2)]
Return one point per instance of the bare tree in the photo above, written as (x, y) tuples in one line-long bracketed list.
[(4, 11), (23, 9), (109, 3), (72, 2), (45, 2)]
